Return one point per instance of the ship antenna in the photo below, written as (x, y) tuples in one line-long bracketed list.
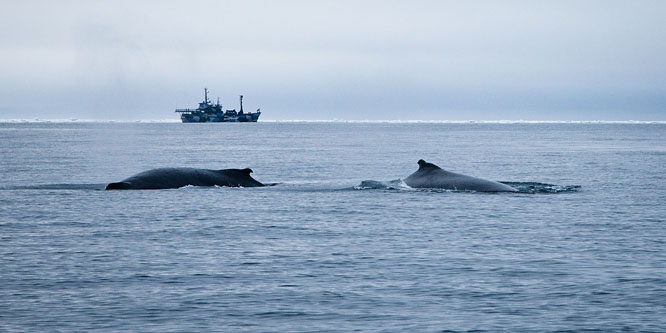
[(241, 100)]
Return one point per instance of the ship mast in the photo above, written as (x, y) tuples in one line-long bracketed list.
[(206, 96), (241, 101)]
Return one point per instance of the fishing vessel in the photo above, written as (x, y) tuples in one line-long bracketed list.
[(209, 112)]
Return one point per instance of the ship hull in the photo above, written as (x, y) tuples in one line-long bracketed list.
[(244, 118)]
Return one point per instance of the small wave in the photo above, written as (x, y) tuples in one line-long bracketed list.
[(535, 187), (57, 187)]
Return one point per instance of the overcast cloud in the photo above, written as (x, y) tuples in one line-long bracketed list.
[(439, 60)]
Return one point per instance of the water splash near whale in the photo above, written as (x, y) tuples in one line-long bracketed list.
[(396, 184), (535, 187), (522, 187)]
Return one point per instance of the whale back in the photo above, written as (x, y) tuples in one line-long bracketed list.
[(164, 178), (431, 176)]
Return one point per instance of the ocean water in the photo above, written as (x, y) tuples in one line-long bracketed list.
[(339, 243)]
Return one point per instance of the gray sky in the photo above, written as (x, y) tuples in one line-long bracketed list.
[(424, 60)]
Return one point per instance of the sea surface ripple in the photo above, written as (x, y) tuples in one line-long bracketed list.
[(338, 244)]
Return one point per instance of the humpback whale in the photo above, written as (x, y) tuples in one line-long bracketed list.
[(431, 176), (164, 178)]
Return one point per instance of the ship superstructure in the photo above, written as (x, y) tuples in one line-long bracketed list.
[(209, 112)]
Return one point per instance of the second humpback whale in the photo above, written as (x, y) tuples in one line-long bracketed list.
[(431, 176), (164, 178)]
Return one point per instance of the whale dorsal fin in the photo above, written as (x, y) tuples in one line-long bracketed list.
[(423, 165), (119, 186), (246, 171)]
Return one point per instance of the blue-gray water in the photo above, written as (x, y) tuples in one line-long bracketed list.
[(319, 252)]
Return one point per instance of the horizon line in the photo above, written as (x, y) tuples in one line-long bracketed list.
[(360, 121)]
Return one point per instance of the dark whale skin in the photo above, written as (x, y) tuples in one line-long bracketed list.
[(431, 176), (164, 178)]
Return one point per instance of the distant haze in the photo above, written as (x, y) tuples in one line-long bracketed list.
[(355, 60)]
